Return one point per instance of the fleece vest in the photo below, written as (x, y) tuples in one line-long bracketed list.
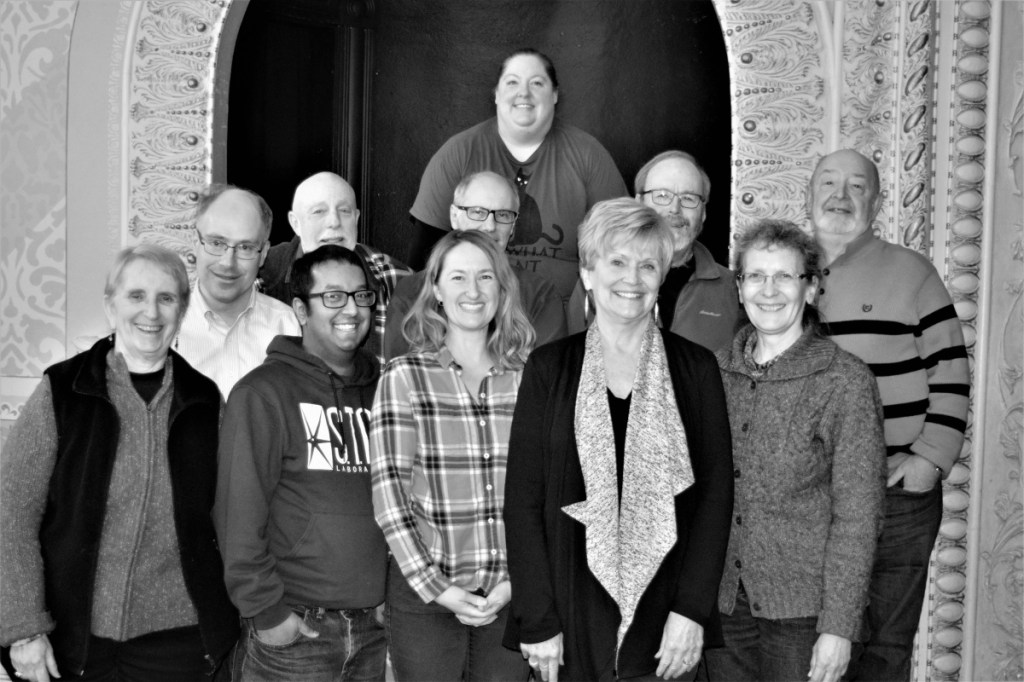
[(87, 424)]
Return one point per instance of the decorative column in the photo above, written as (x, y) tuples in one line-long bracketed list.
[(169, 126)]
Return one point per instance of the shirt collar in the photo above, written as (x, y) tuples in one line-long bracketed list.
[(203, 308), (445, 358), (855, 248)]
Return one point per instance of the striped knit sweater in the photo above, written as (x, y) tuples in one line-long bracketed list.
[(888, 306)]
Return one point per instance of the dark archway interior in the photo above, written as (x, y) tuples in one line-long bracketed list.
[(640, 75)]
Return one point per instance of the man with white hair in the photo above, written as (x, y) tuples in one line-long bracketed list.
[(324, 212)]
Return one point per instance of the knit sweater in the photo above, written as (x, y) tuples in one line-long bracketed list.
[(810, 481), (887, 305), (139, 586)]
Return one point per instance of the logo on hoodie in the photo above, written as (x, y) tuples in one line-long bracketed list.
[(336, 439)]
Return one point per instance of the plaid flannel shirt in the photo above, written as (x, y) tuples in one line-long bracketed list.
[(387, 271), (438, 468)]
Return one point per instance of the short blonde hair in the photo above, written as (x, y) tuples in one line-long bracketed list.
[(624, 220)]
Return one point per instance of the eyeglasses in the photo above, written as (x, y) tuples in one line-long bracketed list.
[(218, 247), (364, 298), (479, 214), (664, 197), (781, 279)]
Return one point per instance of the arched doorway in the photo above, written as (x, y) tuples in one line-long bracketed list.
[(641, 76)]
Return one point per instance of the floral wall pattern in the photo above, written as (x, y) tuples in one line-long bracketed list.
[(34, 42), (907, 82)]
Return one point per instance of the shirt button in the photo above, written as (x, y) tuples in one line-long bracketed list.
[(483, 422), (756, 606), (821, 291), (753, 385), (483, 395), (490, 520), (494, 551), (738, 563), (826, 272), (744, 428), (739, 520), (735, 473), (489, 486), (487, 455)]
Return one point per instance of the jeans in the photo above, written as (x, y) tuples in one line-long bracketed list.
[(351, 646), (427, 641), (898, 583), (173, 655), (760, 648)]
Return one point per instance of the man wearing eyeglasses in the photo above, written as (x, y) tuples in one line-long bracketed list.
[(887, 305), (324, 212), (487, 202), (305, 562), (698, 298), (229, 324)]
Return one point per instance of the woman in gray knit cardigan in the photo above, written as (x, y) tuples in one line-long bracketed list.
[(809, 453)]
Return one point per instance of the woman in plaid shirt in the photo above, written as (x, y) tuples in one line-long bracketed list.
[(439, 441)]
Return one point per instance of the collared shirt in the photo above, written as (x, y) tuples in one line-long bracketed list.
[(227, 352), (438, 468)]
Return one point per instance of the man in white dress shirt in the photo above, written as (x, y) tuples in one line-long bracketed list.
[(229, 324)]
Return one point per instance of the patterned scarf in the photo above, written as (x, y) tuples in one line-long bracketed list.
[(627, 542)]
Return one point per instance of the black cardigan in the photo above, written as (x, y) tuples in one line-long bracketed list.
[(87, 424), (553, 589)]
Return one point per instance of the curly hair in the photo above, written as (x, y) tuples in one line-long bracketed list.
[(510, 335), (782, 234)]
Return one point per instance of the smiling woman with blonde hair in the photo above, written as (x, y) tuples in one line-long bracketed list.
[(439, 438), (619, 488)]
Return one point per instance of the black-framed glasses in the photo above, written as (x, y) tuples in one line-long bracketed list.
[(664, 197), (781, 279), (479, 214), (218, 247), (336, 298)]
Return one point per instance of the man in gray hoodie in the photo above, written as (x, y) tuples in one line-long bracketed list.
[(304, 560)]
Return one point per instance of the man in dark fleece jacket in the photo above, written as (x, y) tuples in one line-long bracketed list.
[(304, 560)]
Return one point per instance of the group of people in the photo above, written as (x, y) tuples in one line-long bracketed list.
[(573, 446)]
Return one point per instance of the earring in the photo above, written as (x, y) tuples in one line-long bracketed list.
[(586, 307), (657, 316)]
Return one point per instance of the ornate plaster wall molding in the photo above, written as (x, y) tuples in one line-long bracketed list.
[(33, 108), (169, 119), (777, 81), (965, 173), (867, 65)]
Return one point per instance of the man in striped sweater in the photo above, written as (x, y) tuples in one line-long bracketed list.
[(888, 305)]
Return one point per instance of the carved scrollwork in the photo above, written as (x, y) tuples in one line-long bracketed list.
[(777, 83), (170, 116)]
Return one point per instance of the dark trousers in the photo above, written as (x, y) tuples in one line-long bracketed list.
[(175, 655), (760, 648), (427, 641), (898, 583), (351, 646)]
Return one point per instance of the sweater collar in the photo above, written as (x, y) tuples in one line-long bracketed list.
[(812, 353), (188, 387)]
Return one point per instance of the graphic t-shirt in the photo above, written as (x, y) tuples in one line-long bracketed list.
[(568, 174)]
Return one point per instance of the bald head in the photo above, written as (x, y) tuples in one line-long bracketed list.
[(843, 196), (324, 212), (489, 191)]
